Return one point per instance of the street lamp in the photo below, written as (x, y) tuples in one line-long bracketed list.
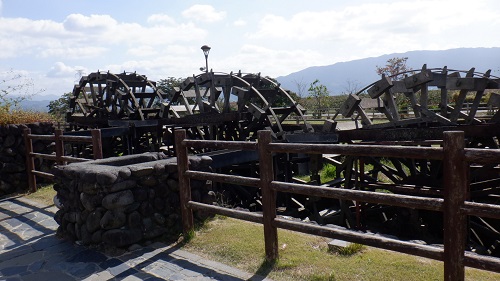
[(206, 50)]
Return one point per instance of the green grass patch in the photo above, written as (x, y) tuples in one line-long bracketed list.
[(328, 172), (44, 194), (305, 257)]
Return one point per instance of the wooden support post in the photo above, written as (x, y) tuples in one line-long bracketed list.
[(184, 182), (59, 146), (456, 183), (96, 143), (268, 196), (30, 162)]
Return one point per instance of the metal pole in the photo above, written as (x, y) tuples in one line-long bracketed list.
[(206, 64)]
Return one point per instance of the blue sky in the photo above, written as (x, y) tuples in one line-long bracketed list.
[(51, 41)]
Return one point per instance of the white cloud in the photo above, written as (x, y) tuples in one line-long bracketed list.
[(77, 52), (377, 28), (272, 62), (81, 23), (142, 51), (203, 13), (161, 19), (82, 37), (239, 22), (62, 70)]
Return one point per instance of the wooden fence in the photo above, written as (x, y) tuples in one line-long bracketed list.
[(59, 157), (453, 205)]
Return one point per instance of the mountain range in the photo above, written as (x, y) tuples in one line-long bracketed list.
[(344, 76)]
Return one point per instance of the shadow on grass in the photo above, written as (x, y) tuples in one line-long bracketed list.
[(264, 269)]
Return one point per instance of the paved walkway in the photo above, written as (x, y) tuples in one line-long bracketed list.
[(29, 250)]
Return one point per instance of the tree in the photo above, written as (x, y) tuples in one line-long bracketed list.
[(352, 87), (394, 67), (59, 107), (14, 89), (167, 85), (319, 93), (301, 88)]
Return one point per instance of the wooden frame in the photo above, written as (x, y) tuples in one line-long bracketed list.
[(454, 205), (59, 138)]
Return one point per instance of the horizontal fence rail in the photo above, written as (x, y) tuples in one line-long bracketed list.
[(59, 139), (453, 205)]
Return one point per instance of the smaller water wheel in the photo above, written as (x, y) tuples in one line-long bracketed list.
[(100, 97)]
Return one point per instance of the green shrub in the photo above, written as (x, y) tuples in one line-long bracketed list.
[(328, 172), (349, 250)]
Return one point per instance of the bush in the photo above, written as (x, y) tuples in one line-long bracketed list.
[(349, 250), (18, 116), (328, 172)]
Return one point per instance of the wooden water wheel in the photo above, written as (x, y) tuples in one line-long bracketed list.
[(468, 101), (100, 97), (232, 106)]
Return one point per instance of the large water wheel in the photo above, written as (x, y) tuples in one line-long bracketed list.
[(233, 106), (475, 111)]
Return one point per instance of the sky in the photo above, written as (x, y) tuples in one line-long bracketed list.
[(53, 42)]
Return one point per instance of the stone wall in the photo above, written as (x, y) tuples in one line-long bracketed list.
[(123, 202), (13, 177)]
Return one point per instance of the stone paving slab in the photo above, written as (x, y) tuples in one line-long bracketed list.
[(29, 250)]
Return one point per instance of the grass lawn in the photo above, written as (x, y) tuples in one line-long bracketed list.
[(306, 257)]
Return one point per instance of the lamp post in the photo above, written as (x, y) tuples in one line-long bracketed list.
[(206, 50)]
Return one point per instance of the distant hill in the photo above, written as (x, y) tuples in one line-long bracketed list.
[(39, 105), (362, 72)]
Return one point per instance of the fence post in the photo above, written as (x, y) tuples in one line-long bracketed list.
[(96, 143), (268, 195), (455, 184), (30, 162), (184, 182), (59, 146)]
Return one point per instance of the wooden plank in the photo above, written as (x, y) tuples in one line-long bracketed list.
[(232, 179), (238, 145), (390, 105), (76, 139), (96, 143), (43, 174), (237, 214), (434, 153), (362, 238), (268, 196), (41, 137), (482, 156), (482, 262), (433, 204), (30, 162), (481, 210), (59, 147), (418, 79), (43, 156), (462, 84), (71, 159), (456, 183), (184, 182), (380, 87), (350, 105)]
